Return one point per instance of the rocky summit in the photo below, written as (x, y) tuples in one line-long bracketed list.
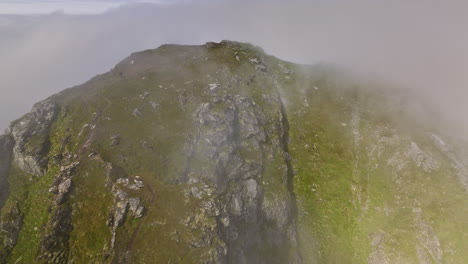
[(221, 153)]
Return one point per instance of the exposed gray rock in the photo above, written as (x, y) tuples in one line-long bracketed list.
[(213, 86), (134, 203), (458, 163), (428, 242), (231, 126), (137, 112), (10, 228), (63, 182), (254, 61), (120, 213), (135, 207), (144, 95), (65, 186), (115, 140), (54, 246), (261, 67), (207, 119), (211, 45), (136, 185), (132, 184), (196, 192), (122, 205), (93, 154), (117, 215), (378, 255), (251, 189), (236, 206), (155, 105), (183, 98), (67, 170), (145, 145), (440, 143), (421, 158), (30, 134), (119, 194)]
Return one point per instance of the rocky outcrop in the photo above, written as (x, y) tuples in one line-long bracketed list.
[(63, 182), (243, 149), (428, 246), (54, 246), (421, 158), (10, 228), (31, 137), (123, 204), (458, 164)]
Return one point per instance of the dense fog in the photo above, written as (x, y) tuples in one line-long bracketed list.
[(420, 45)]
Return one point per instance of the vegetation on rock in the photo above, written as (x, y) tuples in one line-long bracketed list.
[(223, 154)]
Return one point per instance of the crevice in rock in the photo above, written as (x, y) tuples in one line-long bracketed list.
[(54, 246), (126, 203), (290, 171)]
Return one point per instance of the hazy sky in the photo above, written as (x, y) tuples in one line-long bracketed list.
[(22, 7), (418, 44)]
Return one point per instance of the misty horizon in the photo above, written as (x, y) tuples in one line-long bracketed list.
[(419, 47)]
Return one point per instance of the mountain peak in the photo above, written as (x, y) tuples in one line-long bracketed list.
[(221, 153)]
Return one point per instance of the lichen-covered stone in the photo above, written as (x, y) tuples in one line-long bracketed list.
[(30, 134)]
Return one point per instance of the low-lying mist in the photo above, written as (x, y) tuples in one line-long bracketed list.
[(417, 45)]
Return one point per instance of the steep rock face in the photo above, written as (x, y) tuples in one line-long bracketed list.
[(222, 154), (240, 146), (30, 134)]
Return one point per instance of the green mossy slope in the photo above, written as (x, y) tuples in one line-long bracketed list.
[(234, 156)]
